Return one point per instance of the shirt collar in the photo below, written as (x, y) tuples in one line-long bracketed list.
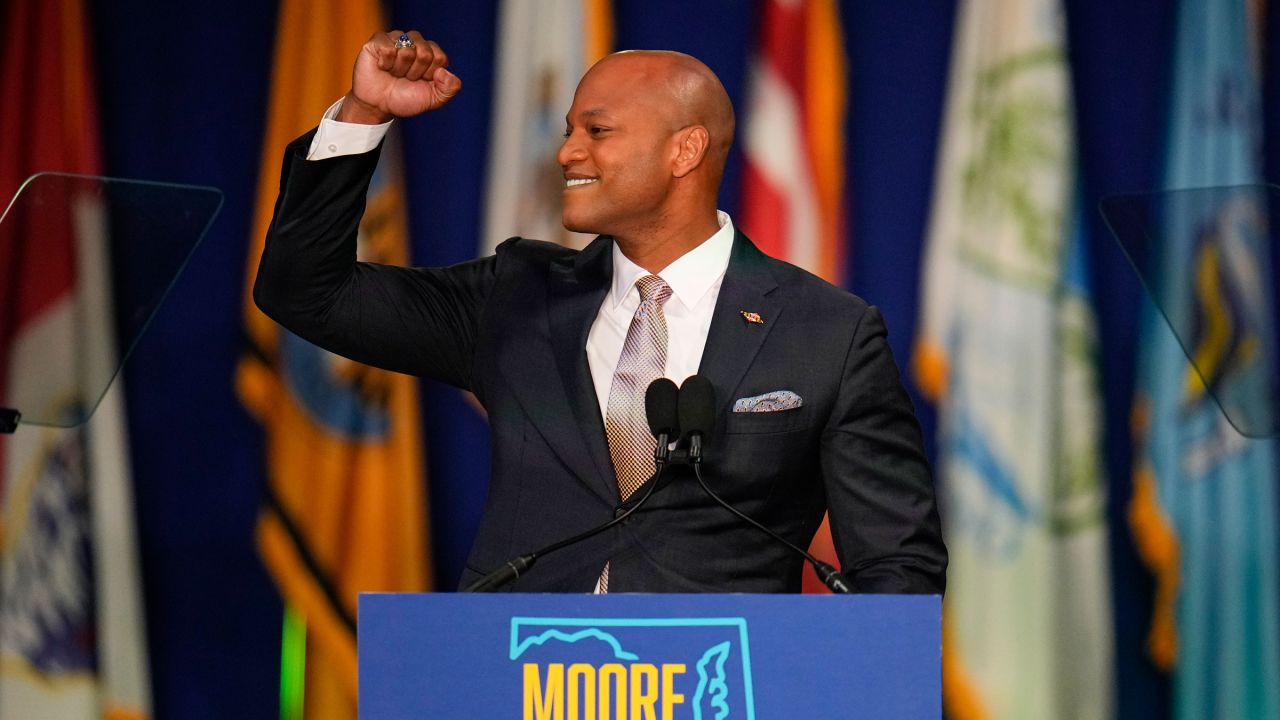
[(690, 276)]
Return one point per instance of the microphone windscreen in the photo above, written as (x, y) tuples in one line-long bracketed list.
[(660, 408), (697, 406)]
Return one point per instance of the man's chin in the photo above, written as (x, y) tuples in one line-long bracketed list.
[(580, 225)]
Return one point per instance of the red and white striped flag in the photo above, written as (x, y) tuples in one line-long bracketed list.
[(72, 642), (792, 203), (793, 180)]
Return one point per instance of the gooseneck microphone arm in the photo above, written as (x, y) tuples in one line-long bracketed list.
[(825, 571), (518, 566), (697, 417), (661, 413)]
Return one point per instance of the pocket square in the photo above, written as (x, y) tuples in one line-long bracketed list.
[(768, 402)]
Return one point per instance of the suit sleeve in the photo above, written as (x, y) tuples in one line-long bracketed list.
[(880, 494), (420, 321)]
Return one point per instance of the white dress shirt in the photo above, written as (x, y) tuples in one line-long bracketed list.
[(335, 138), (695, 279)]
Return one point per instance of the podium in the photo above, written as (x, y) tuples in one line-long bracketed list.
[(649, 657)]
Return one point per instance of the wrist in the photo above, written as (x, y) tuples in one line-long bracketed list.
[(355, 110)]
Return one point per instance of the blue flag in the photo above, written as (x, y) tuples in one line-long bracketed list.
[(1204, 510)]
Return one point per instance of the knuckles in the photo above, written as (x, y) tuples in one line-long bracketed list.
[(418, 62)]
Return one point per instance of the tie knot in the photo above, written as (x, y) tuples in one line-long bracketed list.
[(653, 288)]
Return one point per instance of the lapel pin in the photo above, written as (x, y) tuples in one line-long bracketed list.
[(752, 317)]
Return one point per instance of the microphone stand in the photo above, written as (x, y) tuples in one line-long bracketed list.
[(697, 417), (661, 413), (826, 573), (516, 567)]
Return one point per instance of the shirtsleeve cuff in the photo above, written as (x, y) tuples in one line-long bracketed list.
[(335, 138)]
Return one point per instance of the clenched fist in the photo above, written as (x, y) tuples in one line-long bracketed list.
[(401, 82)]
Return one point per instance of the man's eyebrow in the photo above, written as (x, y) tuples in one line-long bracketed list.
[(590, 113)]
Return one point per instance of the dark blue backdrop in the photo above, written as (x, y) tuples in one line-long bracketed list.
[(183, 93)]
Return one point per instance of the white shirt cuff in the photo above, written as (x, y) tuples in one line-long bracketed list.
[(339, 138)]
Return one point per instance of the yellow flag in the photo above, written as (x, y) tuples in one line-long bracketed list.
[(345, 509)]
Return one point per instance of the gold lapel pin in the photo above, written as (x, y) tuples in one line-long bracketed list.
[(752, 317)]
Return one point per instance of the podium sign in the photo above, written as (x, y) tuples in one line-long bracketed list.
[(649, 657)]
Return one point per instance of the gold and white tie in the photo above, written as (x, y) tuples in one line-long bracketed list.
[(644, 356)]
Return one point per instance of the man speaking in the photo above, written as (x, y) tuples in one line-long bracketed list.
[(809, 412)]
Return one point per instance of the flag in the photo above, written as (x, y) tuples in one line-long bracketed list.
[(345, 507), (792, 202), (1006, 351), (544, 48), (72, 636), (793, 135), (1204, 505)]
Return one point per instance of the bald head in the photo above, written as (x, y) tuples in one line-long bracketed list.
[(683, 89)]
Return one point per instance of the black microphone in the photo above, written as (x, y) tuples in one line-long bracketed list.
[(663, 416), (697, 418), (660, 411), (697, 413)]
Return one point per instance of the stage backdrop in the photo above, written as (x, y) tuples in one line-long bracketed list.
[(183, 97)]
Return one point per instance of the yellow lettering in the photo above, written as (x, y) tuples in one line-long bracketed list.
[(611, 692), (670, 698), (582, 682), (618, 674), (644, 691), (537, 704)]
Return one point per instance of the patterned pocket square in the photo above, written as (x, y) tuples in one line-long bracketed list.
[(768, 402)]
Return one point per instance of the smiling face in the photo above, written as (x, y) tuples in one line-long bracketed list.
[(621, 143)]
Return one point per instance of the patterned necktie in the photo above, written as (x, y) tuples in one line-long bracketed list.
[(644, 355)]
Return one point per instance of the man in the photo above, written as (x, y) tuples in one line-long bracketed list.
[(559, 345)]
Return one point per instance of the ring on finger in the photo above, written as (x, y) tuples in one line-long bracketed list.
[(404, 41)]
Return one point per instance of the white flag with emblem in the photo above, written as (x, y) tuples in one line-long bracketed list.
[(1006, 351), (544, 47)]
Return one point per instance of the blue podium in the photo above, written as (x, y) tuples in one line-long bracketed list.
[(649, 657)]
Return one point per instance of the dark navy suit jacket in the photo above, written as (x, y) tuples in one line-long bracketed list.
[(513, 328)]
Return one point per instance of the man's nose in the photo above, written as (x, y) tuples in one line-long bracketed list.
[(571, 150)]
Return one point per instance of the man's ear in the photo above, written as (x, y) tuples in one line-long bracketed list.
[(692, 150)]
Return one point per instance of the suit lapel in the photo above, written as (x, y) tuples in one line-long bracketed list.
[(576, 289), (732, 341)]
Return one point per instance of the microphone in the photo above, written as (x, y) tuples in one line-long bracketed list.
[(661, 413), (663, 416), (697, 413), (697, 418)]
